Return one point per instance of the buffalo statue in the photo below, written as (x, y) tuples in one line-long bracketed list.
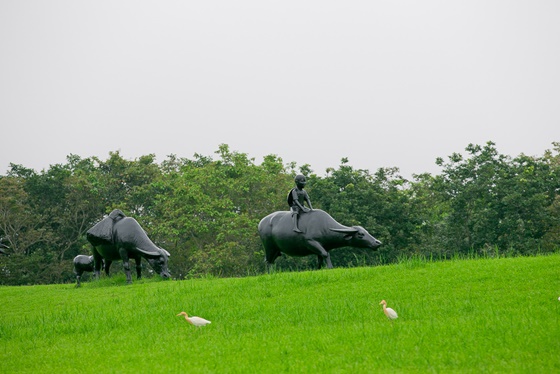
[(83, 263), (320, 233), (118, 237)]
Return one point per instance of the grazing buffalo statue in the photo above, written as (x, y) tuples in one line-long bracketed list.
[(118, 237), (82, 263), (320, 234)]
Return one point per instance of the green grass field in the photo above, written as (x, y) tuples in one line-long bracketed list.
[(479, 315)]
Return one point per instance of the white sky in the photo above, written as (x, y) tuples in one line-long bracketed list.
[(384, 83)]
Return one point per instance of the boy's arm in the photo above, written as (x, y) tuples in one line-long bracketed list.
[(308, 200)]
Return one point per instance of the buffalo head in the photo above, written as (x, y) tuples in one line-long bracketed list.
[(159, 263), (358, 237)]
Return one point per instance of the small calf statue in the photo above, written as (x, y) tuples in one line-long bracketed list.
[(82, 263)]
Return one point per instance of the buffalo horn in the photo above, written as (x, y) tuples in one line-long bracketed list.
[(346, 231)]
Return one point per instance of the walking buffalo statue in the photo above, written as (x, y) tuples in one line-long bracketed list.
[(320, 233), (118, 237)]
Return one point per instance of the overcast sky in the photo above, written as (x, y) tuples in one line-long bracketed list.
[(383, 83)]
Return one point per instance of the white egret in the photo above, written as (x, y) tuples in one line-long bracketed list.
[(197, 321), (390, 313)]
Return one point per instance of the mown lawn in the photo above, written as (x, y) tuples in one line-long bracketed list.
[(480, 315)]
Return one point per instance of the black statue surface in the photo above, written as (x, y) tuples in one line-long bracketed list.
[(118, 237), (297, 197), (320, 234), (82, 263)]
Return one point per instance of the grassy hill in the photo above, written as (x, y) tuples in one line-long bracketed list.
[(480, 315)]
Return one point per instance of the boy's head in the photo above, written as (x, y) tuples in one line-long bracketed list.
[(300, 181)]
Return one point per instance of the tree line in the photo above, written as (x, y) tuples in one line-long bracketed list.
[(205, 210)]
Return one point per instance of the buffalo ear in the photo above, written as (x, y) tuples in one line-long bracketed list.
[(350, 231)]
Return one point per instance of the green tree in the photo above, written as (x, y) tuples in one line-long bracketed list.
[(20, 227), (212, 209), (497, 202), (377, 202), (205, 211), (431, 208)]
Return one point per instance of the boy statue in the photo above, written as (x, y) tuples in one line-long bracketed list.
[(296, 199)]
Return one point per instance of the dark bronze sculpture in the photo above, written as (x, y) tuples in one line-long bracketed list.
[(297, 197), (83, 263), (118, 237), (320, 233)]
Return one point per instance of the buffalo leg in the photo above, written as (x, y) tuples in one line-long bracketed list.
[(138, 267), (270, 265), (270, 258), (322, 254), (126, 264), (107, 265), (320, 259), (78, 276), (329, 263), (97, 262), (272, 252)]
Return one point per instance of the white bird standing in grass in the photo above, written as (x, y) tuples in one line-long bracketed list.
[(390, 313), (197, 321)]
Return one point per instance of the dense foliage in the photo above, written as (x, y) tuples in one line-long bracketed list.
[(205, 211)]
